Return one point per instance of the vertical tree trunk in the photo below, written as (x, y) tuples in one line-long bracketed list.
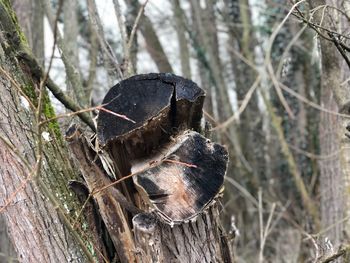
[(180, 26), (153, 45), (7, 251), (335, 95), (30, 16), (70, 32), (36, 205)]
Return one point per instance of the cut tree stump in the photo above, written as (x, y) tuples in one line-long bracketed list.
[(163, 206), (176, 181)]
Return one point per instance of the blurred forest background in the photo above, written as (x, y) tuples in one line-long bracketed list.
[(276, 75)]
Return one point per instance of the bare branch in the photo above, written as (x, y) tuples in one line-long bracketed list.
[(60, 95), (71, 71), (131, 38), (121, 24), (97, 26), (268, 60)]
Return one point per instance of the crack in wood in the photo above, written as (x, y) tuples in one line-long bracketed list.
[(177, 173)]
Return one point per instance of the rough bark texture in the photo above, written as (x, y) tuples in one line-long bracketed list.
[(335, 96), (7, 251), (198, 241), (35, 225), (332, 175)]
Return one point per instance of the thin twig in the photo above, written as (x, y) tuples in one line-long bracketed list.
[(269, 65), (55, 30), (65, 219), (181, 163), (240, 155), (97, 26), (131, 38), (341, 252), (318, 27), (72, 72), (243, 190), (121, 24), (137, 20), (138, 172), (38, 73), (81, 210), (39, 150), (310, 155), (264, 231), (299, 182), (261, 224), (18, 87), (69, 114), (22, 186), (243, 106), (340, 49), (122, 116), (14, 149), (70, 104), (287, 49), (310, 103)]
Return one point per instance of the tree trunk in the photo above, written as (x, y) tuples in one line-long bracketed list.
[(180, 27), (170, 204), (153, 45), (34, 198), (7, 251), (70, 33), (335, 96), (31, 19)]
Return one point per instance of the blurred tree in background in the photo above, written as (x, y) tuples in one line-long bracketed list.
[(276, 75)]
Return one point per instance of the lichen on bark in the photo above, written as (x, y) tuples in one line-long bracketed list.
[(19, 127), (14, 45)]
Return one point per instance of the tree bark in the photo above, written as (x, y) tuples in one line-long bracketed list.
[(180, 28), (36, 205), (153, 45), (165, 172), (334, 180), (70, 32), (7, 251), (30, 16), (199, 241)]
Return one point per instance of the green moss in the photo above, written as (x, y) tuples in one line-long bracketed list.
[(47, 109), (49, 113), (28, 89), (20, 44), (22, 39)]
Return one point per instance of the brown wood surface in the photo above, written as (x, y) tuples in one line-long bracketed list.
[(177, 174)]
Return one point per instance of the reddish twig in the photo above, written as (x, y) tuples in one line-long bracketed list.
[(116, 114), (182, 163)]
